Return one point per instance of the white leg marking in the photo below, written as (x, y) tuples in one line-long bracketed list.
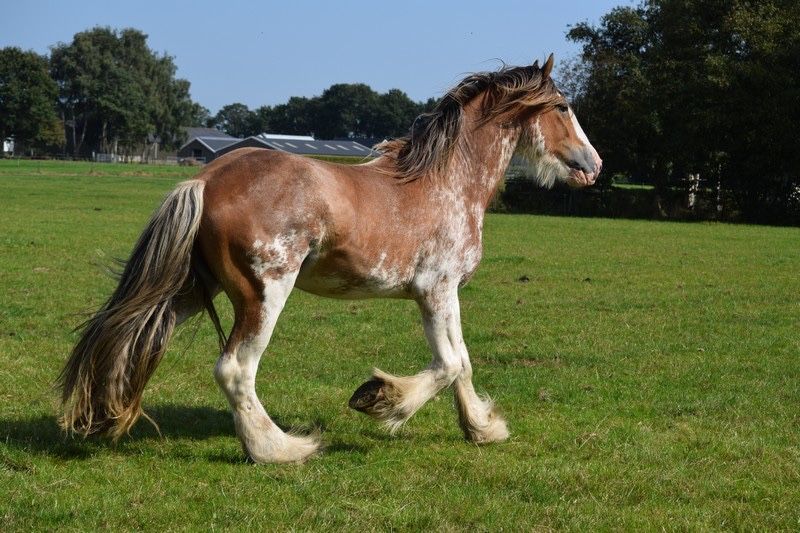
[(477, 416), (262, 440), (402, 396)]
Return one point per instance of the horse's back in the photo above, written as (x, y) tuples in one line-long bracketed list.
[(266, 187), (352, 227)]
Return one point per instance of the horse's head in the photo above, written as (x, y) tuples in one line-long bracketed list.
[(553, 144)]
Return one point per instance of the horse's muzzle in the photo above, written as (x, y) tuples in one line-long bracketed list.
[(585, 165)]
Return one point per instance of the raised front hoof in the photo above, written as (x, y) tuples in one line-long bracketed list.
[(369, 397)]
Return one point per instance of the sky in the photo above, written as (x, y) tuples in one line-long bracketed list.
[(262, 53)]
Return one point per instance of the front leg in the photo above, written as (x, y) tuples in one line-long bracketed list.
[(393, 399), (478, 417)]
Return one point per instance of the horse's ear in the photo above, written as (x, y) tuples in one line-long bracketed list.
[(548, 67), (536, 65)]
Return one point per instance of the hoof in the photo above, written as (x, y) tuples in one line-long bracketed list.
[(368, 396), (495, 431), (382, 398), (286, 448)]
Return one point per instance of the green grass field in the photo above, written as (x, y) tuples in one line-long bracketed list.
[(650, 374)]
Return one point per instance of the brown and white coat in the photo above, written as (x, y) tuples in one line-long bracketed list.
[(407, 225)]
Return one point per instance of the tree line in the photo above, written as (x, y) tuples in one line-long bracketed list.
[(108, 92), (344, 110), (666, 89), (672, 88)]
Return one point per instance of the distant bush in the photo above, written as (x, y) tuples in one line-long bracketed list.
[(345, 160)]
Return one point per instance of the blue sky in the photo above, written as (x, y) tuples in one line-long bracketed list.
[(264, 52)]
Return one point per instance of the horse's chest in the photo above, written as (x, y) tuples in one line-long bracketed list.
[(454, 257)]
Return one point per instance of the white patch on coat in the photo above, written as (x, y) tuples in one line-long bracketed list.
[(386, 278), (272, 255), (542, 165), (507, 151), (456, 252)]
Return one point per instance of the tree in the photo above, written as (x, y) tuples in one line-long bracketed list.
[(613, 101), (27, 100), (346, 110), (343, 110), (235, 119), (295, 117), (395, 114), (114, 90), (762, 93), (199, 116), (673, 87), (261, 119)]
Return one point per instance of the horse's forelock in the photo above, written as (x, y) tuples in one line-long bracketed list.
[(509, 92)]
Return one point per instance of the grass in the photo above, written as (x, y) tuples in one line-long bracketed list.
[(649, 373)]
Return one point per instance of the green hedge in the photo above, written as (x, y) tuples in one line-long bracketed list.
[(345, 160)]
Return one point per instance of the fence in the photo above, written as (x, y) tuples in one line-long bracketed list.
[(117, 158)]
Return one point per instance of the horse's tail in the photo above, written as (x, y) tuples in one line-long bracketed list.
[(122, 344)]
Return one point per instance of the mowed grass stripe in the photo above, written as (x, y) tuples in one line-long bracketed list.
[(649, 373)]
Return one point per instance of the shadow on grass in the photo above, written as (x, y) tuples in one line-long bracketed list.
[(41, 435)]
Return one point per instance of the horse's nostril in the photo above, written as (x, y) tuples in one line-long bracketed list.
[(575, 165), (582, 160)]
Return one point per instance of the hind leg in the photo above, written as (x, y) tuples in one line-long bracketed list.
[(235, 372), (196, 294)]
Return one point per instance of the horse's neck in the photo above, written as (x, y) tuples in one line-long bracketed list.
[(479, 162)]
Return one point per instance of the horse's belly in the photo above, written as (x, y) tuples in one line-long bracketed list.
[(327, 278)]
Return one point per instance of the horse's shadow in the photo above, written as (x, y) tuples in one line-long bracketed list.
[(42, 435)]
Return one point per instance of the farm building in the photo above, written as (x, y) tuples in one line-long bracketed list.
[(204, 144), (301, 145)]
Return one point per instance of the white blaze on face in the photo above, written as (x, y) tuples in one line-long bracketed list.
[(578, 129), (585, 140)]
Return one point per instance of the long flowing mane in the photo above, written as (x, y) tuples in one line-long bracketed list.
[(509, 92)]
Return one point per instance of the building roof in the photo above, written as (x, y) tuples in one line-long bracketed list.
[(216, 140), (280, 136), (328, 148), (308, 147), (192, 132), (215, 144), (211, 138)]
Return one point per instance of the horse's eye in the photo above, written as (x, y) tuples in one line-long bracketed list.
[(562, 108)]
